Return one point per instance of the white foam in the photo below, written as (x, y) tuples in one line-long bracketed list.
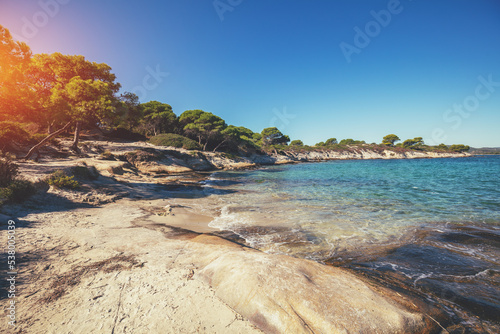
[(228, 220)]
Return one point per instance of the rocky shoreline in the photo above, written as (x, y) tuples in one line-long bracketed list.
[(131, 252), (148, 159)]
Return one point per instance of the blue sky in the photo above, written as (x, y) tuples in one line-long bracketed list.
[(315, 69)]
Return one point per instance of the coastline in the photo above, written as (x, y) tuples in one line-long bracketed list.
[(106, 269), (148, 159), (133, 250)]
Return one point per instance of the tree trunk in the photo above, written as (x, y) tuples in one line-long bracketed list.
[(205, 146), (74, 146), (216, 147), (50, 128), (45, 140)]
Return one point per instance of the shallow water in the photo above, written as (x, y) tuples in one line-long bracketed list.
[(432, 225)]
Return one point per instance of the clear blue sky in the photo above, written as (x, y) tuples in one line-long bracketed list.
[(261, 63)]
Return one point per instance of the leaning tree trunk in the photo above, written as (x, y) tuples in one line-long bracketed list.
[(78, 128), (45, 140), (216, 147)]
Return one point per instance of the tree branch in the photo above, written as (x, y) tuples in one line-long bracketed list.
[(45, 140)]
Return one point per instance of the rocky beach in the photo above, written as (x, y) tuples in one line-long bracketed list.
[(131, 251)]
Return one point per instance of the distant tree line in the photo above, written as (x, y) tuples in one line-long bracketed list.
[(42, 96)]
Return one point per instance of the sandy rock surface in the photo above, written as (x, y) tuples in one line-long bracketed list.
[(130, 252), (119, 268)]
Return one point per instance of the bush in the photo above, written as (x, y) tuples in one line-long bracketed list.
[(296, 143), (59, 179), (350, 141), (10, 133), (172, 139), (8, 169), (17, 191), (85, 173), (122, 133)]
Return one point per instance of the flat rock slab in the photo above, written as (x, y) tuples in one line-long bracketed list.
[(282, 294)]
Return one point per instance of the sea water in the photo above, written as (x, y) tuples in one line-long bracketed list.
[(433, 224)]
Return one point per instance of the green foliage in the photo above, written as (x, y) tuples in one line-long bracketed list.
[(459, 148), (90, 101), (351, 142), (12, 189), (172, 139), (204, 127), (128, 113), (256, 137), (59, 179), (11, 133), (123, 133), (389, 140), (157, 118), (15, 57), (85, 173), (8, 169), (238, 139), (71, 87), (413, 143), (17, 191), (297, 143), (331, 141), (273, 136), (442, 147)]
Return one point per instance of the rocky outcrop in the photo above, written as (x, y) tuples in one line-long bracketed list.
[(162, 161), (361, 154), (282, 294), (167, 161)]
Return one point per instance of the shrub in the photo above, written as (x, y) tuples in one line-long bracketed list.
[(296, 143), (122, 133), (8, 169), (350, 141), (172, 139), (85, 173), (20, 190), (331, 141), (59, 179), (10, 133)]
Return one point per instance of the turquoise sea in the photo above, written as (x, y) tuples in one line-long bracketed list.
[(432, 225)]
